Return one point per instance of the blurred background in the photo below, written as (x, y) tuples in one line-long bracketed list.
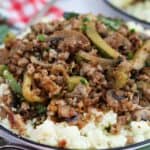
[(16, 15)]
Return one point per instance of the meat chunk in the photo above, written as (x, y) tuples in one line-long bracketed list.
[(136, 41), (4, 53), (118, 41), (66, 112), (71, 41), (102, 29)]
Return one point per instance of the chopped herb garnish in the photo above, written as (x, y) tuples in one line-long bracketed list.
[(4, 30), (147, 63), (41, 109), (84, 81), (86, 19), (132, 31), (130, 55), (41, 37), (113, 24), (69, 15), (84, 27)]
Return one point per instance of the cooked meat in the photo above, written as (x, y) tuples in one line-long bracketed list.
[(102, 29), (4, 54), (135, 40), (118, 42), (64, 69), (66, 112)]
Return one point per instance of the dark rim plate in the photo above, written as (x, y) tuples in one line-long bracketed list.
[(121, 11), (26, 143)]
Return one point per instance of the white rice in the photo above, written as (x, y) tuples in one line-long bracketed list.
[(93, 135)]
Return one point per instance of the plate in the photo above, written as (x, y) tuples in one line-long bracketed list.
[(144, 23)]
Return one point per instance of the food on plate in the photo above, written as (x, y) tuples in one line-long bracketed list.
[(137, 8), (82, 82)]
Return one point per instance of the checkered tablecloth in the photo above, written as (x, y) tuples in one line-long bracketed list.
[(20, 12)]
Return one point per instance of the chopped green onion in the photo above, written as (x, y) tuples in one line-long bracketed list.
[(113, 24), (41, 109), (84, 81), (4, 30), (41, 37), (130, 55), (14, 85), (84, 27), (69, 15), (147, 63), (86, 19), (132, 30)]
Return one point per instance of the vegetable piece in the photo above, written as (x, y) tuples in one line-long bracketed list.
[(28, 94), (121, 74), (41, 37), (121, 78), (14, 85), (9, 37), (130, 55), (141, 56), (103, 47), (69, 15), (3, 32), (113, 24), (86, 19), (74, 81), (41, 109), (81, 55), (147, 63), (2, 68)]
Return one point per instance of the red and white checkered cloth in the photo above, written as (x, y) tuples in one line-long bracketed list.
[(20, 12)]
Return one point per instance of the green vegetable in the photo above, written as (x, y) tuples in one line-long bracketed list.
[(81, 55), (75, 80), (69, 15), (102, 46), (130, 55), (84, 81), (14, 85), (4, 30), (121, 74), (86, 19), (41, 109), (121, 78), (2, 68), (147, 63), (27, 91), (141, 56), (84, 28), (113, 24), (132, 30), (9, 37), (41, 37)]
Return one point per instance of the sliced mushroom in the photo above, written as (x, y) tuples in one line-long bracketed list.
[(69, 40)]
